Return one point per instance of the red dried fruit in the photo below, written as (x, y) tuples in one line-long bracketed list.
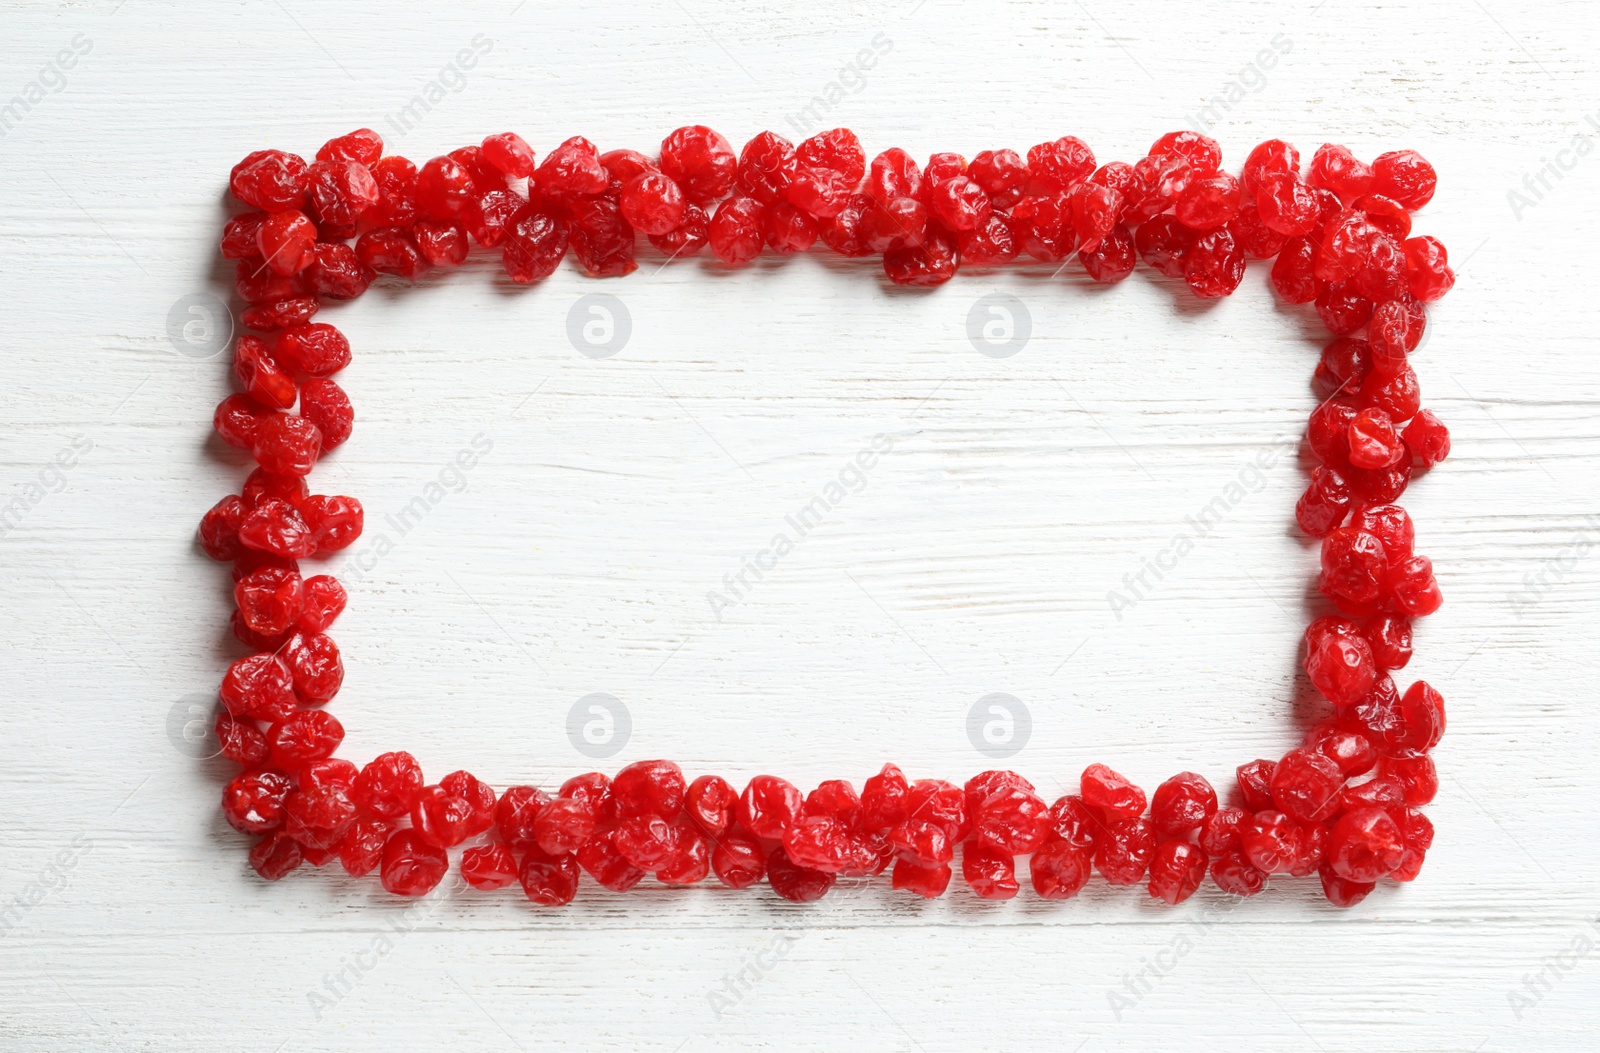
[(1287, 206), (547, 880), (1182, 804), (1325, 503), (397, 192), (990, 874), (341, 193), (1074, 822), (324, 600), (269, 179), (315, 665), (1293, 277), (508, 152), (252, 802), (318, 816), (1351, 751), (1163, 243), (1122, 850), (787, 230), (285, 241), (1054, 167), (1258, 241), (1336, 169), (307, 736), (410, 866), (1235, 875), (924, 843), (1211, 202), (768, 805), (534, 243), (1428, 273), (1305, 786), (264, 380), (1003, 174), (516, 816), (836, 150), (793, 882), (239, 237), (899, 222), (361, 849), (1270, 841), (767, 164), (992, 242), (738, 861), (286, 444), (1045, 223), (690, 863), (818, 842), (1201, 151), (735, 232), (1405, 177), (1110, 793), (1255, 781), (1364, 845), (960, 203), (1176, 870), (710, 802), (649, 788), (1013, 819), (443, 189), (645, 841), (701, 162), (1340, 664), (281, 314), (364, 146), (1354, 570), (883, 800), (1214, 265), (315, 348), (237, 418), (259, 686), (893, 174), (240, 740), (688, 238), (219, 528), (444, 244), (255, 283), (1415, 772), (1112, 259), (488, 867), (941, 803), (601, 239), (1390, 638), (275, 856), (652, 202), (927, 882), (1273, 157), (389, 785), (1059, 870), (1221, 831), (337, 273), (933, 262), (822, 192), (391, 250), (1427, 439)]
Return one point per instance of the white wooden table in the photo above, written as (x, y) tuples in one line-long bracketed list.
[(576, 555)]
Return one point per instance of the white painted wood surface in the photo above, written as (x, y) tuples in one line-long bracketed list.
[(976, 558)]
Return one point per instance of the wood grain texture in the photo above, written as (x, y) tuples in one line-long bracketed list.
[(576, 555)]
